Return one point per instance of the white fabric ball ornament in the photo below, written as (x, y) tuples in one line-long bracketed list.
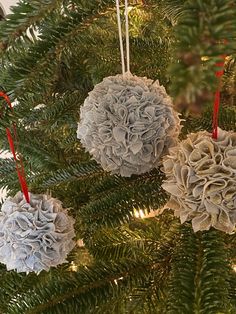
[(201, 178), (35, 236), (127, 124)]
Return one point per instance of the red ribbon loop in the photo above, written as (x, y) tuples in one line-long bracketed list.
[(19, 167), (218, 74)]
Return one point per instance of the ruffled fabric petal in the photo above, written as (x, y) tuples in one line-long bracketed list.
[(201, 179), (128, 124), (35, 236)]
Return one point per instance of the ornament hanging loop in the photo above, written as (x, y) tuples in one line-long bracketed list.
[(127, 36), (19, 163), (127, 68)]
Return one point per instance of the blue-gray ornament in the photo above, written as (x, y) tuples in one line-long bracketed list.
[(34, 236), (128, 124)]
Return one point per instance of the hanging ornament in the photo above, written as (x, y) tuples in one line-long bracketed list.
[(127, 123), (201, 175), (201, 178), (36, 232), (34, 236)]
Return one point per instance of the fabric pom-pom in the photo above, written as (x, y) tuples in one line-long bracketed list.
[(35, 236), (201, 178), (127, 124)]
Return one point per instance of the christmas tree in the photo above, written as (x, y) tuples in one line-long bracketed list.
[(132, 255)]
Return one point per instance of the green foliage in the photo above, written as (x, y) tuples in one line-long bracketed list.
[(115, 206), (181, 297), (204, 32), (199, 279), (114, 282), (212, 286), (52, 54), (227, 120)]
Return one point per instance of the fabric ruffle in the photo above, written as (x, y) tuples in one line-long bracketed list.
[(35, 236), (201, 178), (127, 124)]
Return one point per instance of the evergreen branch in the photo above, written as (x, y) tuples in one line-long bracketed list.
[(227, 120), (143, 193), (180, 293), (148, 240), (50, 45), (82, 171), (199, 27), (213, 275), (173, 9), (25, 16), (82, 292)]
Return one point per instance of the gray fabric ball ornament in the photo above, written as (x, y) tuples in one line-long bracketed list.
[(127, 124), (201, 178), (35, 236)]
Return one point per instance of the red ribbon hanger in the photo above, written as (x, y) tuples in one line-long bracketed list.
[(219, 75), (19, 163)]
